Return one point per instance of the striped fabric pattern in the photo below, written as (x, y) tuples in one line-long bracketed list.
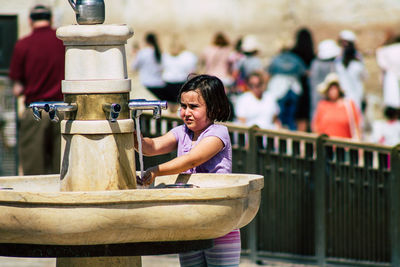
[(225, 252)]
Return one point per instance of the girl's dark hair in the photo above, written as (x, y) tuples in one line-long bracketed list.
[(212, 90), (151, 39), (349, 54)]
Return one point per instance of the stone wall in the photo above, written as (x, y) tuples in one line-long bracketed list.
[(195, 22)]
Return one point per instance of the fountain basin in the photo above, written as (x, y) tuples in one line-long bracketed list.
[(43, 215)]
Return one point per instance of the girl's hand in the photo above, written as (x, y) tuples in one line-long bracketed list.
[(149, 176)]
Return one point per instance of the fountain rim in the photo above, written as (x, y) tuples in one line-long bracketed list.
[(240, 189)]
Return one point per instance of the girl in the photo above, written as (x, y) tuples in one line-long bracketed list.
[(203, 147)]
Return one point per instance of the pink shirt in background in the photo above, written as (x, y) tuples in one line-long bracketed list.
[(217, 61)]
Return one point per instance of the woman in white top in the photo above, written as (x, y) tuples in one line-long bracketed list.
[(352, 74), (177, 65), (256, 107), (148, 63)]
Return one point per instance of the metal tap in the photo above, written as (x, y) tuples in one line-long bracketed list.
[(138, 105), (52, 108), (112, 110), (37, 108), (60, 107)]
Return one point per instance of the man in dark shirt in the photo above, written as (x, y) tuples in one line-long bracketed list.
[(37, 69)]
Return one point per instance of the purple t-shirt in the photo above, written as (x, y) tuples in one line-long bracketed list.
[(220, 163)]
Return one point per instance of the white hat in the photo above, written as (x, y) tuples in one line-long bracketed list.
[(328, 49), (329, 80), (250, 44), (347, 35)]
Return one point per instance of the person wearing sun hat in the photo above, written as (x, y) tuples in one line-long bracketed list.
[(351, 68), (347, 35), (321, 66), (335, 115), (348, 38), (251, 62)]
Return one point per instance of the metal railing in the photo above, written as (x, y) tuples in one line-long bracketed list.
[(325, 200), (8, 128)]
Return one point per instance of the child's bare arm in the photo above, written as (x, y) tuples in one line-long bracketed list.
[(158, 145), (202, 152)]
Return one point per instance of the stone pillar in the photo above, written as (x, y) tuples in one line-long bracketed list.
[(96, 153)]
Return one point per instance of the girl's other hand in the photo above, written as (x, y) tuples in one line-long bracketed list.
[(139, 180), (149, 176)]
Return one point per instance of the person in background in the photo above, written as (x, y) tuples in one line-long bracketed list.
[(388, 59), (216, 59), (238, 82), (387, 131), (351, 68), (352, 74), (348, 38), (203, 147), (37, 69), (304, 49), (148, 62), (321, 66), (257, 107), (336, 116), (177, 65), (285, 71), (250, 62)]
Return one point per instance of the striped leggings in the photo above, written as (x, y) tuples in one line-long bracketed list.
[(225, 252)]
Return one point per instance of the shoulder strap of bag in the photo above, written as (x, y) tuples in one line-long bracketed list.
[(352, 122)]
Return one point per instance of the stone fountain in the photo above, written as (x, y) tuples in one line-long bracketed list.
[(92, 214)]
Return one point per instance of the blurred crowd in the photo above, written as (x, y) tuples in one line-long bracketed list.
[(303, 87)]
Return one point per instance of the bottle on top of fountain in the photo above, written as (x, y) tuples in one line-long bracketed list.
[(88, 11)]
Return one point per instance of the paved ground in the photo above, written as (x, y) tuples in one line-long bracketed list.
[(172, 261), (147, 261)]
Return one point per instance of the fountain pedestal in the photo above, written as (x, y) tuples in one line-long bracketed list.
[(97, 154)]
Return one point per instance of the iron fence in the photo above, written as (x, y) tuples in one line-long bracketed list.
[(326, 201), (8, 129)]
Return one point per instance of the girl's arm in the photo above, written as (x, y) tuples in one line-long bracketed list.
[(158, 145), (202, 152)]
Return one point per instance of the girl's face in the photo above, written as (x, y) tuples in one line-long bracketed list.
[(193, 111)]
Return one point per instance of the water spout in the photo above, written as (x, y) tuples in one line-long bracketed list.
[(52, 108), (112, 110), (37, 108), (138, 105)]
